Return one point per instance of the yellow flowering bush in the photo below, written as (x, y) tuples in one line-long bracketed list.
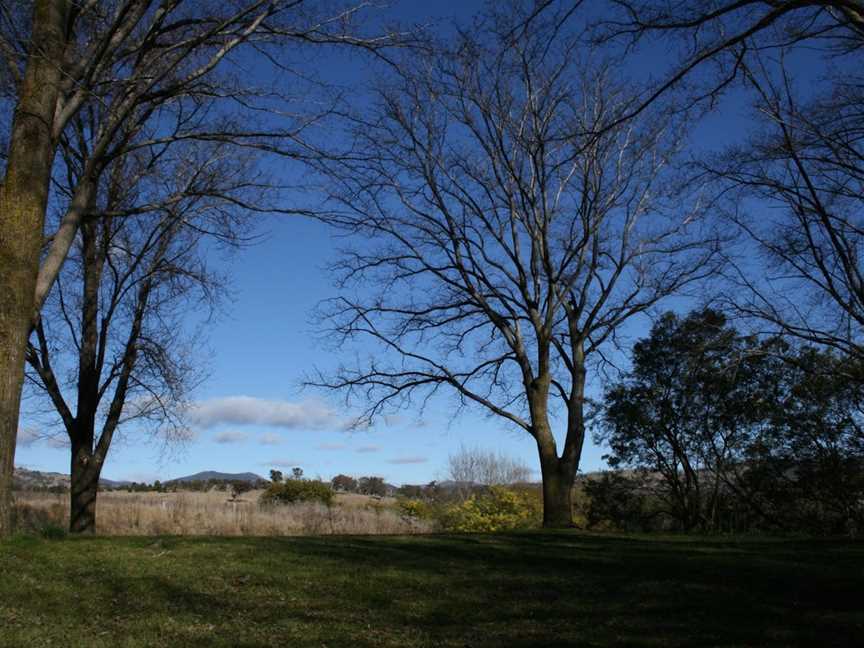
[(414, 508), (500, 508)]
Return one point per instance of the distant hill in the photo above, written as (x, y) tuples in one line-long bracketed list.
[(36, 480), (213, 475), (25, 480), (449, 485), (114, 484)]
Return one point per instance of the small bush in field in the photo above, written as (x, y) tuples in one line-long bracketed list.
[(34, 519), (617, 503), (298, 490), (52, 532), (415, 509), (498, 509)]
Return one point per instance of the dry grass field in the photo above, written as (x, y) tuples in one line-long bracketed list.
[(214, 513)]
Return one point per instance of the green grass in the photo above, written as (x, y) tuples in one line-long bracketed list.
[(531, 589)]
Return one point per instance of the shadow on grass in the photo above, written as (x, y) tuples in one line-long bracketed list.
[(516, 590)]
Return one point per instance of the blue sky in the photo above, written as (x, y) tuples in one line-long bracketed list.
[(252, 414)]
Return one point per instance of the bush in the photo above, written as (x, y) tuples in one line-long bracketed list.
[(52, 532), (239, 487), (617, 503), (372, 486), (298, 490), (29, 519), (415, 509), (344, 483), (498, 509)]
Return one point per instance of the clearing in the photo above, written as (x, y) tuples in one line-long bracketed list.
[(525, 589)]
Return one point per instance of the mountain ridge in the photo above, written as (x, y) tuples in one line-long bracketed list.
[(24, 479), (215, 475)]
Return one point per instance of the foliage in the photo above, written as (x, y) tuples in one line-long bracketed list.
[(344, 483), (36, 520), (410, 491), (415, 509), (276, 476), (733, 433), (805, 468), (238, 487), (298, 490), (195, 485), (498, 509), (683, 409), (616, 502), (53, 532), (372, 486)]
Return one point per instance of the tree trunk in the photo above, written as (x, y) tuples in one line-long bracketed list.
[(557, 492), (557, 503), (23, 198), (85, 471), (557, 472)]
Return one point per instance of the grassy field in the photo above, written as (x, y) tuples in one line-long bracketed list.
[(215, 513), (531, 589)]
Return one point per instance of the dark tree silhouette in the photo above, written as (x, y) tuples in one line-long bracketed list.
[(142, 70), (109, 346), (684, 412), (505, 243)]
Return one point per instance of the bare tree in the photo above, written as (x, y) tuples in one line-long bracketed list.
[(109, 344), (795, 187), (477, 466), (150, 73), (501, 251), (23, 198), (718, 38)]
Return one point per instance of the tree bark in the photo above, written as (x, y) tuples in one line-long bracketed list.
[(85, 471), (557, 493), (558, 474), (23, 198)]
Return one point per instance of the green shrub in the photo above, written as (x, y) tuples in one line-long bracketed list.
[(498, 509), (52, 532), (616, 502), (415, 509), (32, 520), (298, 490)]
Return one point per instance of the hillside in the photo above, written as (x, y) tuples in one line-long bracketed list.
[(27, 480), (213, 475), (37, 480)]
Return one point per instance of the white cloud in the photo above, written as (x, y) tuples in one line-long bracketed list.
[(269, 438), (367, 449), (408, 460), (230, 437), (282, 463), (28, 437), (58, 442), (331, 446), (248, 410)]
